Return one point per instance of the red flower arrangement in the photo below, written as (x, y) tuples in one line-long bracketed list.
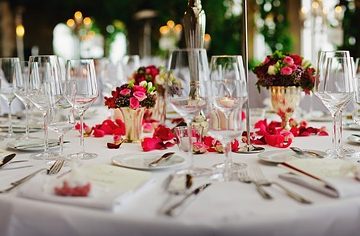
[(161, 139), (282, 69), (273, 135), (133, 95)]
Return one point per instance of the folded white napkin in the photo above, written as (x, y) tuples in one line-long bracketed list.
[(110, 185), (333, 177)]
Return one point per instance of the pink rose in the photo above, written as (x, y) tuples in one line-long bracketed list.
[(267, 59), (288, 60), (139, 88), (134, 103), (140, 95), (125, 92), (286, 70)]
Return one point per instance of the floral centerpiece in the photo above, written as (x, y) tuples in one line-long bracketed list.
[(286, 75), (132, 99), (160, 78)]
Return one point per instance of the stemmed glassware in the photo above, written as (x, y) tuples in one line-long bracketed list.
[(81, 91), (334, 86), (130, 63), (356, 113), (190, 66), (44, 89), (21, 91), (10, 73), (226, 93)]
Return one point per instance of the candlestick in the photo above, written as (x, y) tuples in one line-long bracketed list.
[(194, 24), (249, 148)]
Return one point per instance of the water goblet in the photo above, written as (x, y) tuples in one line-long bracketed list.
[(81, 90), (10, 74), (190, 68), (44, 87), (334, 86), (226, 71)]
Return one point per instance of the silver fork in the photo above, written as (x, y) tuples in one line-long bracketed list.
[(256, 176), (54, 169), (262, 181)]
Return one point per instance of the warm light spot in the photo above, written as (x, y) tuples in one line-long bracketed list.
[(338, 9), (170, 23), (70, 23), (178, 28), (20, 31), (87, 21), (78, 15), (304, 10), (315, 5), (207, 37), (164, 29)]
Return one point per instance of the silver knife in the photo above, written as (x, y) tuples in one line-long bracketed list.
[(177, 208)]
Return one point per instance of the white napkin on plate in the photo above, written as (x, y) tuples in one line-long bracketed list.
[(334, 177), (110, 185)]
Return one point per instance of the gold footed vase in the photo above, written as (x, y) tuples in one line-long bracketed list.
[(158, 112), (284, 101), (133, 120)]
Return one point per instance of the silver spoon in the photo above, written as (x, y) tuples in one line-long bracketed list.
[(164, 157), (306, 153)]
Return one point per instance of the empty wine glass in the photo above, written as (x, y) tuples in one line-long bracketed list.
[(61, 119), (190, 67), (226, 94), (130, 63), (81, 91), (334, 86), (356, 113), (44, 89), (21, 91), (10, 73)]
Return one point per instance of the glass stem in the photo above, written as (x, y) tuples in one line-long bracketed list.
[(81, 114), (61, 140), (338, 134), (227, 151), (10, 131), (189, 129), (27, 120), (228, 162), (46, 132)]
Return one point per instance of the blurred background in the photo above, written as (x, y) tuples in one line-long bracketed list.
[(114, 28)]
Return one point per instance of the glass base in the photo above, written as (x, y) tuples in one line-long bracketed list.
[(82, 156), (226, 177), (49, 156), (342, 153)]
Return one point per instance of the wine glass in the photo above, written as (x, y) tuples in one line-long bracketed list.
[(226, 94), (10, 73), (356, 113), (334, 86), (21, 92), (130, 63), (190, 68), (81, 91), (44, 89), (61, 119)]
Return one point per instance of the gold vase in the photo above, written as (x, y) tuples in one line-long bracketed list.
[(284, 101), (158, 112), (133, 120)]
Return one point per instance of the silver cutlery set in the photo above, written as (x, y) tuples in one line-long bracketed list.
[(54, 169), (249, 175)]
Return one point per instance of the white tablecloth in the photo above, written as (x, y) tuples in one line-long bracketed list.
[(232, 208)]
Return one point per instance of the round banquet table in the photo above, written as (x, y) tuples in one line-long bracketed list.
[(231, 208)]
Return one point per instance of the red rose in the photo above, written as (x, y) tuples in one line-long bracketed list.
[(297, 59), (152, 70)]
